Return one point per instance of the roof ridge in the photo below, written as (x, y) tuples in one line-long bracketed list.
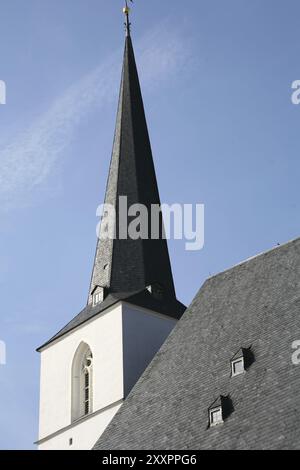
[(252, 258)]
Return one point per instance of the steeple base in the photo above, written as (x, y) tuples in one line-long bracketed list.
[(116, 347)]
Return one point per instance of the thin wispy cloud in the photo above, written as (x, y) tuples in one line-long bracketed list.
[(33, 155)]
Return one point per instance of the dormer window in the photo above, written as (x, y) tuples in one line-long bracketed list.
[(241, 361), (215, 412), (215, 416), (156, 290), (237, 367), (220, 410), (98, 296)]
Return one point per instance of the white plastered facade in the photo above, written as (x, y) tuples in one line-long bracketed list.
[(123, 340)]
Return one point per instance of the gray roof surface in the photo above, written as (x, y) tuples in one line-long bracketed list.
[(255, 304)]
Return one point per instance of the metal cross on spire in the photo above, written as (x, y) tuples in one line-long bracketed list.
[(126, 11)]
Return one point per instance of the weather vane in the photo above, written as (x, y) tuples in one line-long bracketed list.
[(126, 11)]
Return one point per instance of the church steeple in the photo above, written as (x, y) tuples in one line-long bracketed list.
[(126, 265), (89, 367)]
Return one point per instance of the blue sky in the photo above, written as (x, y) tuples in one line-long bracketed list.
[(216, 79)]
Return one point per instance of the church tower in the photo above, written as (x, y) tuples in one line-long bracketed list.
[(90, 366)]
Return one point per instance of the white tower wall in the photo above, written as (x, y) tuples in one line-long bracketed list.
[(123, 340)]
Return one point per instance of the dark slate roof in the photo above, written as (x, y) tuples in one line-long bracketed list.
[(255, 304), (170, 307), (131, 265)]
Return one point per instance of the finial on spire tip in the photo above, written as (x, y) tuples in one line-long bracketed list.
[(126, 11)]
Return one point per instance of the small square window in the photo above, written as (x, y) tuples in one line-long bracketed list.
[(237, 366), (98, 297), (216, 416)]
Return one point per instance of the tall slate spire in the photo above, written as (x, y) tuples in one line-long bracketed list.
[(120, 265), (134, 271)]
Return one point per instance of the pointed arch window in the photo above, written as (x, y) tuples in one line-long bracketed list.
[(82, 382)]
